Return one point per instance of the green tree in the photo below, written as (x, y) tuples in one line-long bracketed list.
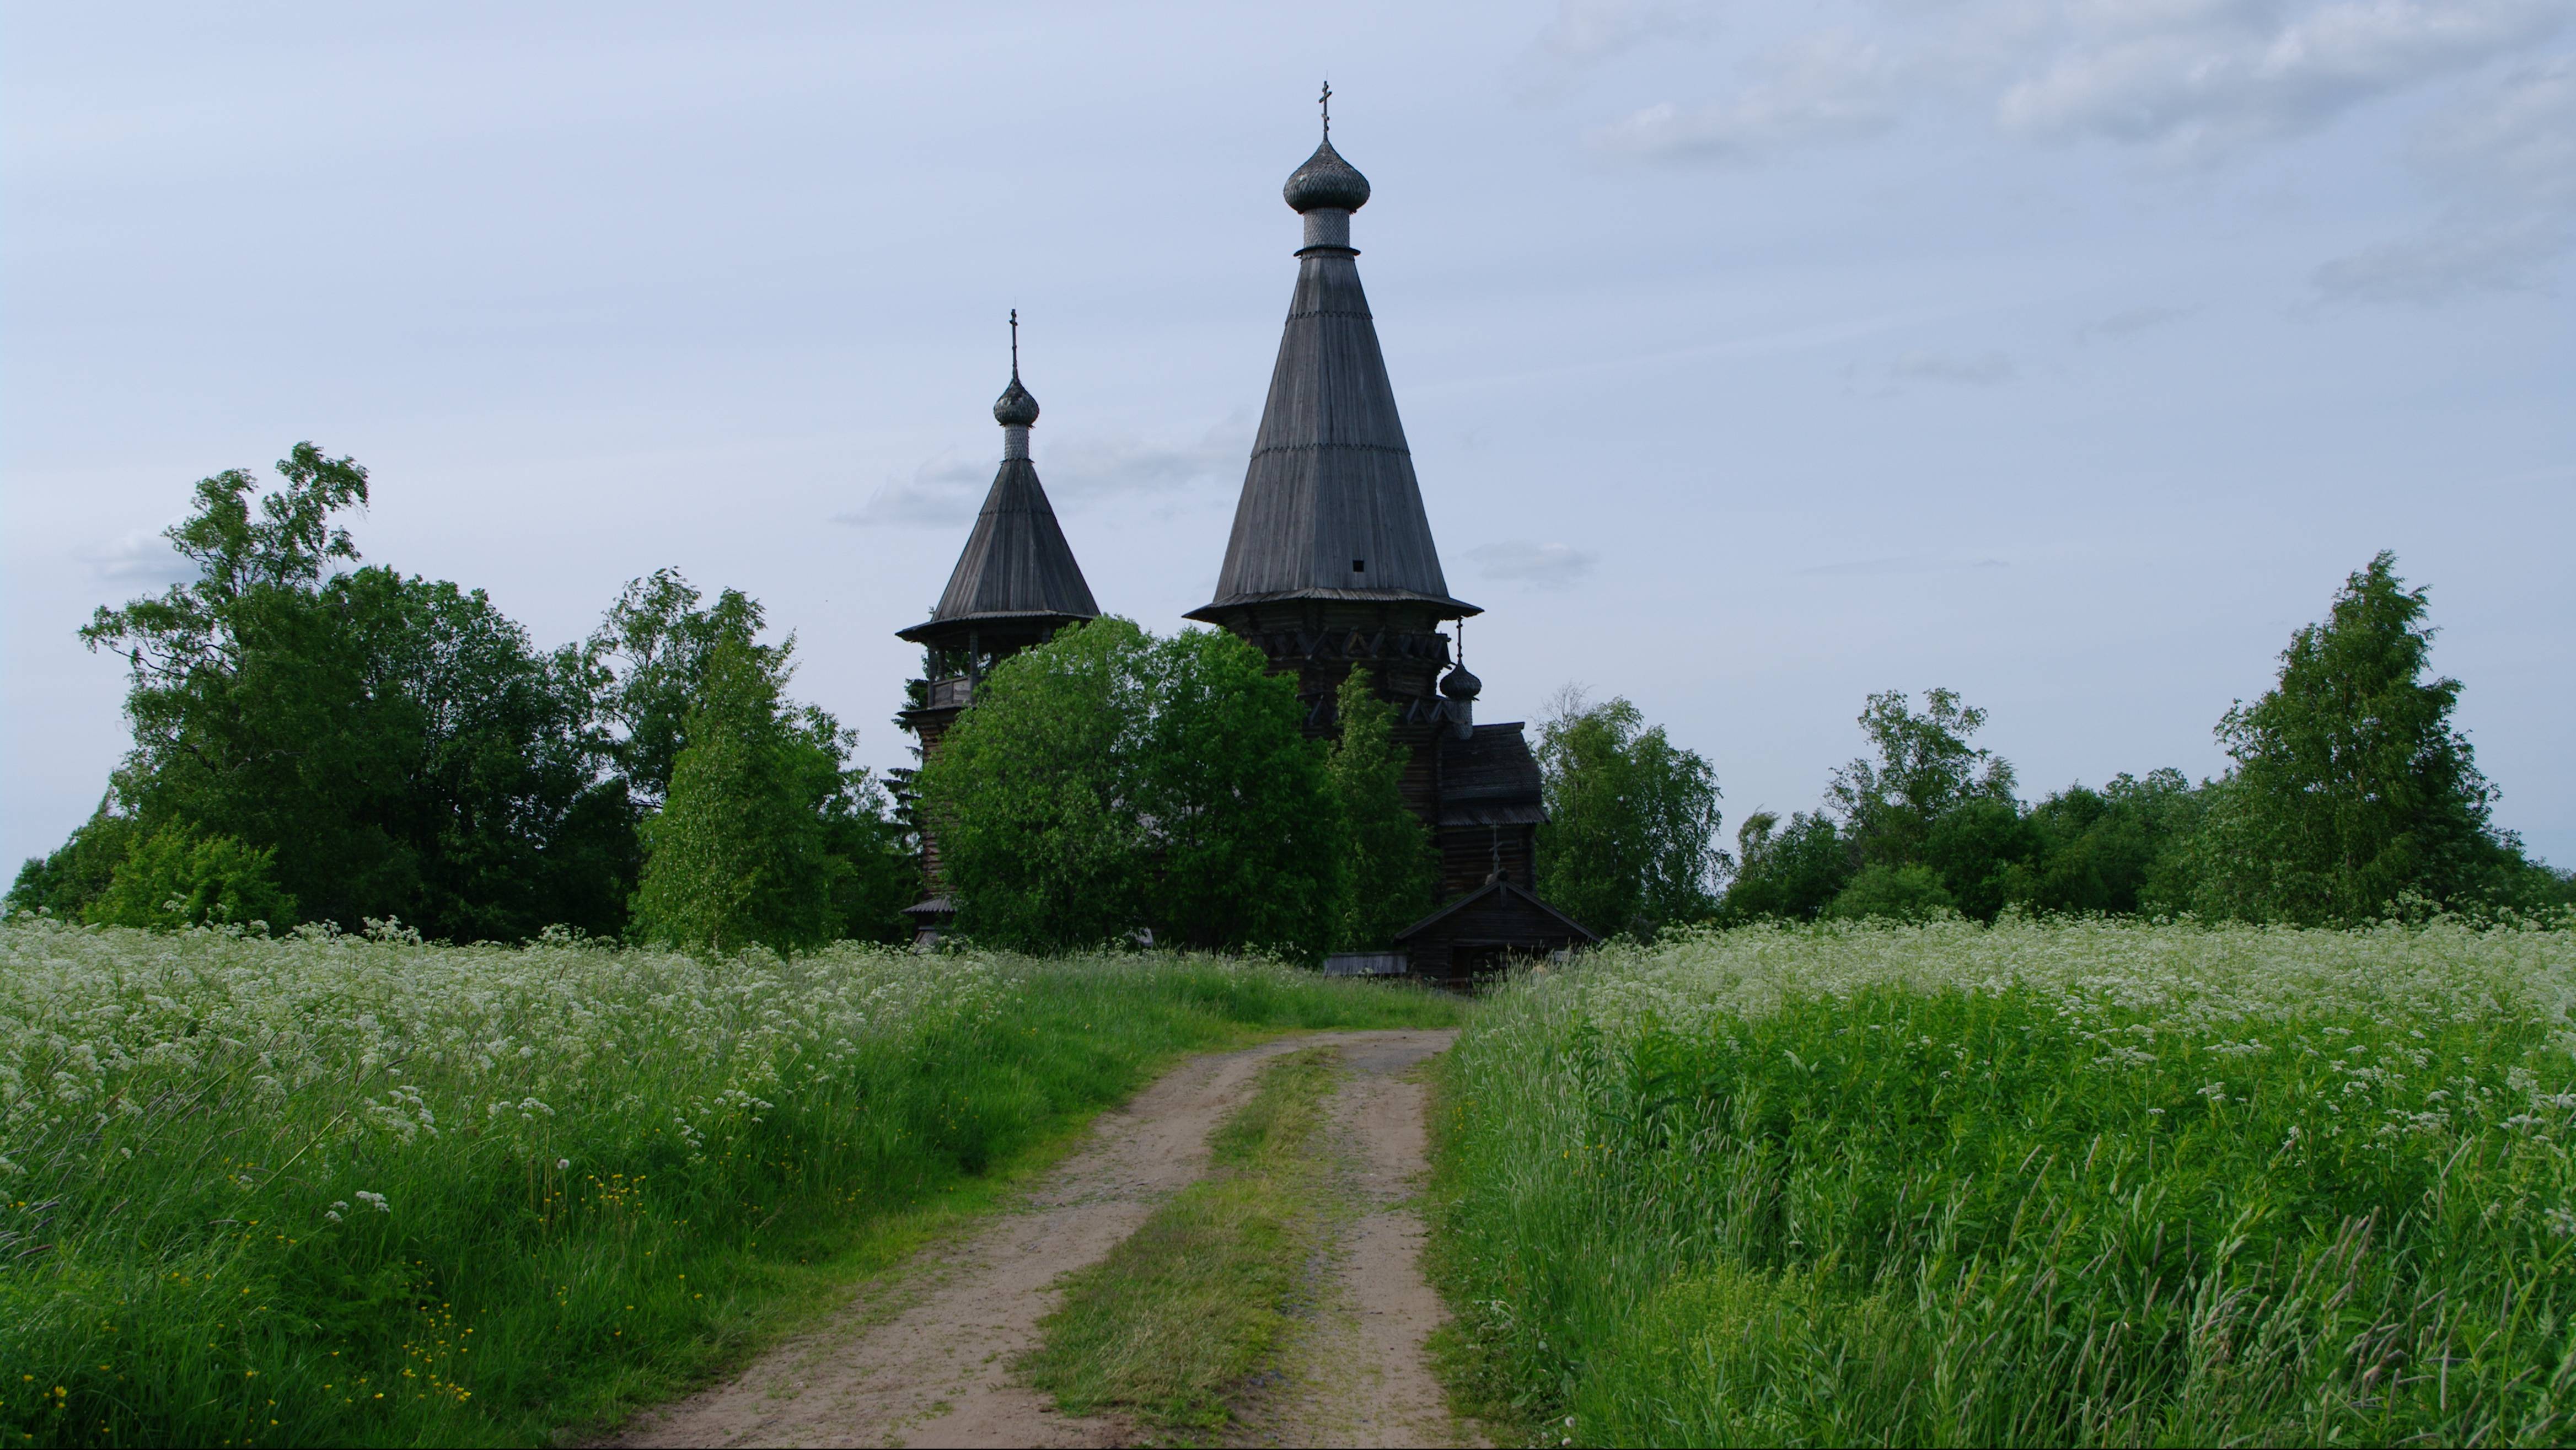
[(737, 857), (1245, 821), (174, 878), (396, 742), (1986, 855), (1629, 843), (652, 652), (75, 873), (1908, 893), (1393, 871), (1925, 768), (2352, 787), (1036, 794), (2114, 850), (1790, 873), (1106, 781)]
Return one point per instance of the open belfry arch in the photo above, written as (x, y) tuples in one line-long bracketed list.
[(1330, 567)]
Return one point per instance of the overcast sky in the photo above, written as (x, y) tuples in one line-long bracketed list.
[(1754, 357)]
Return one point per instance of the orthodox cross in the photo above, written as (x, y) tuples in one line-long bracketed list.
[(1326, 101), (1015, 342)]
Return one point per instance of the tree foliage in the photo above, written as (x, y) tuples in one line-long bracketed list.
[(2352, 786), (175, 878), (1393, 872), (63, 883), (2352, 792), (1244, 817), (736, 857), (653, 651), (1107, 782), (398, 744), (1792, 871), (1925, 769), (396, 747), (1037, 793), (1630, 840)]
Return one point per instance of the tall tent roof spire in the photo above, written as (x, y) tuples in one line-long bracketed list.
[(1330, 507), (1016, 564)]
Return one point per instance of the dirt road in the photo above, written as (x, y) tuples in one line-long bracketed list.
[(1359, 1376), (927, 1361)]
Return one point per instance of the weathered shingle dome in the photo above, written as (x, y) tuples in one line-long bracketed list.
[(1460, 685), (1015, 408), (1326, 180)]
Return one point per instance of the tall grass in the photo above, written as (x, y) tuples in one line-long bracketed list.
[(2079, 1182), (332, 1190)]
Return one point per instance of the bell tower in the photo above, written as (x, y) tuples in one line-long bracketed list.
[(1015, 585), (1331, 564), (1331, 567)]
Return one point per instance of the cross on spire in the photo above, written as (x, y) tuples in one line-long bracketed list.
[(1326, 101), (1015, 342)]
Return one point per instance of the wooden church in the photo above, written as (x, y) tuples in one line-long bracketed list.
[(1330, 567)]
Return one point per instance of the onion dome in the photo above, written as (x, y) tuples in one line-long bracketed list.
[(1460, 685), (1015, 408), (1326, 180)]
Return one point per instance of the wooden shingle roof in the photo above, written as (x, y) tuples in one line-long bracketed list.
[(1330, 507), (1490, 779), (1016, 563)]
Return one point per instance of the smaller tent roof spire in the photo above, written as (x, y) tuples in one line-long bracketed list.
[(1016, 566)]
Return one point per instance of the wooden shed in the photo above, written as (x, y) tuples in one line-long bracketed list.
[(1476, 936)]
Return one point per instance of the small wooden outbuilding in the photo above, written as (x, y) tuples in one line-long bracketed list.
[(1476, 936)]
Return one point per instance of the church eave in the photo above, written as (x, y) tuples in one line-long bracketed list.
[(1215, 611), (951, 624)]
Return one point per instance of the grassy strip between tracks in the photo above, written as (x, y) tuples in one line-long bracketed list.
[(1174, 1321), (337, 1191)]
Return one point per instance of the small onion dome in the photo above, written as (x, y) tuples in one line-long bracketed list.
[(1015, 408), (1460, 685), (1326, 180)]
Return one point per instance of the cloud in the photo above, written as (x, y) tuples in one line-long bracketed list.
[(1544, 566), (2202, 81), (2446, 262), (2191, 80), (2503, 157), (1103, 467), (1588, 31), (142, 557), (938, 494), (2131, 320), (947, 491), (1903, 564), (1829, 87), (1985, 370)]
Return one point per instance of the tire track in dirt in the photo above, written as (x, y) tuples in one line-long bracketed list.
[(1360, 1373), (927, 1359)]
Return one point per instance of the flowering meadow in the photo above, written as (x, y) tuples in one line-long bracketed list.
[(335, 1189), (2060, 1182)]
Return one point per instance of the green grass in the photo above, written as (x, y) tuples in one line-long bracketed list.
[(2073, 1183), (1172, 1322), (604, 1176)]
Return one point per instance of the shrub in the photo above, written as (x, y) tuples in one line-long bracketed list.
[(174, 878)]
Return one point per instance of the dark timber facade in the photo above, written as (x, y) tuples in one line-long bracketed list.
[(1330, 567)]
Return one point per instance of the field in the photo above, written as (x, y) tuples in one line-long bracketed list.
[(336, 1190), (2083, 1182)]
